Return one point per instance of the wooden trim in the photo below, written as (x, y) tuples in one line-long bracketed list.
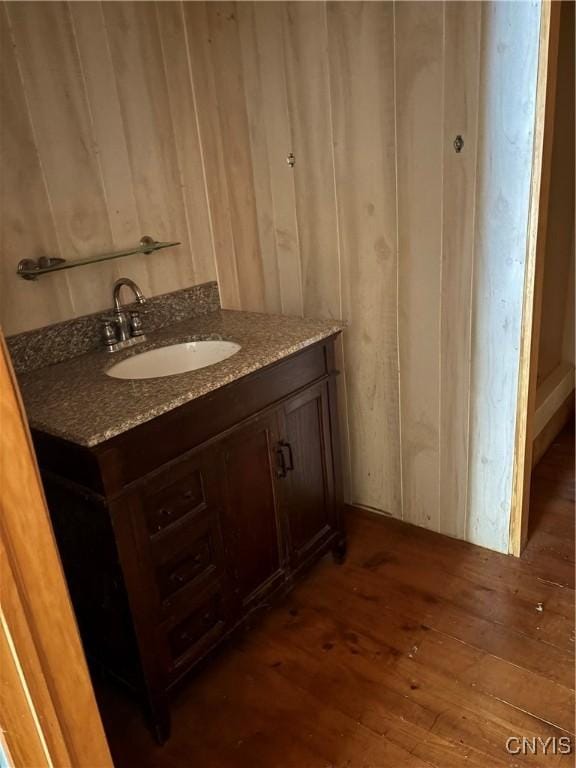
[(548, 434), (532, 308), (551, 395), (48, 707)]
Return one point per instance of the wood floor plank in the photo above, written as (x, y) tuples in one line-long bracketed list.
[(407, 723), (482, 594), (333, 736), (464, 622), (522, 688), (397, 686), (521, 589), (483, 561)]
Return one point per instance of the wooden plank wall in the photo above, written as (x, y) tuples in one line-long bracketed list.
[(361, 58), (177, 119), (420, 156), (388, 233), (99, 145), (557, 324), (555, 354)]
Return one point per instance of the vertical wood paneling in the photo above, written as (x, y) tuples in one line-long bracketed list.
[(54, 87), (103, 128), (568, 346), (271, 47), (229, 81), (266, 95), (137, 55), (361, 55), (509, 56), (109, 137), (186, 137), (419, 94), (175, 119), (26, 224), (199, 51), (461, 73), (557, 288), (309, 105), (256, 111)]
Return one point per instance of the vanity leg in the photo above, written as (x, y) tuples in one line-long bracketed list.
[(339, 550)]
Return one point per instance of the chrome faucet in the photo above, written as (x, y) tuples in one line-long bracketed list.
[(123, 320), (125, 327)]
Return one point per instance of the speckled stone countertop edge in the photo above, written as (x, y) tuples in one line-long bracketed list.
[(108, 404)]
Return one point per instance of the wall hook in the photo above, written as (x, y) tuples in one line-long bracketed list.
[(291, 160), (458, 143)]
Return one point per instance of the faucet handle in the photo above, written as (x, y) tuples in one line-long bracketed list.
[(109, 332), (136, 327)]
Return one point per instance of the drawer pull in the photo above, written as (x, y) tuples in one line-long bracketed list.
[(166, 512), (179, 578), (206, 619)]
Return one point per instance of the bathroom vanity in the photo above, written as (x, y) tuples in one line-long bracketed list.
[(182, 506)]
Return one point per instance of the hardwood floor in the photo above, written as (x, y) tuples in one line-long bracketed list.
[(419, 651)]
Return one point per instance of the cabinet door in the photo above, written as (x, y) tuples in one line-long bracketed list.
[(307, 482), (251, 529)]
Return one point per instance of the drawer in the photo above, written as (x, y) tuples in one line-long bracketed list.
[(180, 492), (186, 565), (168, 505), (188, 638)]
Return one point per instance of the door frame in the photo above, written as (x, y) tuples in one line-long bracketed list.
[(534, 272), (49, 711)]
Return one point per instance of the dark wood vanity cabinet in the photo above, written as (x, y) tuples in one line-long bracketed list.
[(177, 532)]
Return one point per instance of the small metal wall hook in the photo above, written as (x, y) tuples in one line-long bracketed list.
[(291, 160)]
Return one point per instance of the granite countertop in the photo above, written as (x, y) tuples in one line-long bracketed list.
[(77, 401)]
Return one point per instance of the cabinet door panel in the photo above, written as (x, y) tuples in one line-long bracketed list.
[(251, 529), (307, 490)]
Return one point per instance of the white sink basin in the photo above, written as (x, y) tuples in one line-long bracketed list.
[(177, 358)]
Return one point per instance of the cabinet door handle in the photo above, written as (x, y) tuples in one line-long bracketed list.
[(281, 469), (288, 447), (284, 448)]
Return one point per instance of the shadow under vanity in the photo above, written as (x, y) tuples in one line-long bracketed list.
[(182, 505)]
